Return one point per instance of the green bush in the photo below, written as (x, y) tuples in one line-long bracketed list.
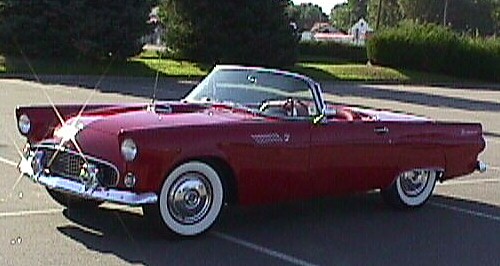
[(73, 29), (333, 50), (236, 32), (433, 48)]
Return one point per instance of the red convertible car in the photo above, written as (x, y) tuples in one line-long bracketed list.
[(245, 136)]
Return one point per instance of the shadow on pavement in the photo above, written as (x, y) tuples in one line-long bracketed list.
[(172, 88), (167, 88), (353, 231), (491, 134), (134, 240), (175, 88), (412, 97)]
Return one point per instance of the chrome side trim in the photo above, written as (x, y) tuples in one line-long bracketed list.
[(87, 157)]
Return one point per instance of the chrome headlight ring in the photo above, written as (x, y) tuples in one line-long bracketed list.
[(129, 150), (24, 124)]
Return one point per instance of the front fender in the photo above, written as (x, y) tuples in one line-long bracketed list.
[(160, 150)]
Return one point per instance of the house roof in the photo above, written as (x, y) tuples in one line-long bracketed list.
[(323, 27)]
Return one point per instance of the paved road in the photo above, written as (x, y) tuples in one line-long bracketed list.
[(459, 226)]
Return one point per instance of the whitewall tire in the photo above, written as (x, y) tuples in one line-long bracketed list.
[(411, 189), (191, 199)]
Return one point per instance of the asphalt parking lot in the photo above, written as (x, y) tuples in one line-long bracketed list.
[(460, 225)]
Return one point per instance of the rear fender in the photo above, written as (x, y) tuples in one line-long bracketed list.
[(430, 158)]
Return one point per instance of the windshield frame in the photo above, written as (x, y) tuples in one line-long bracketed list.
[(313, 86)]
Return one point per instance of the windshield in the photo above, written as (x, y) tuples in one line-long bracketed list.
[(254, 88)]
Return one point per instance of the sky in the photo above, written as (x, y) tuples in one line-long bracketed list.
[(326, 5)]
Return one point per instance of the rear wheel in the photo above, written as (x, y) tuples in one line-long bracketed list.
[(72, 202), (411, 189), (190, 200)]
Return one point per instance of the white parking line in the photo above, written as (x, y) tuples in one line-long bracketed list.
[(261, 249), (469, 182), (467, 211), (29, 213), (7, 161), (488, 139)]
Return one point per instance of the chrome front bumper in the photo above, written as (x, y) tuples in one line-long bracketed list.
[(89, 190)]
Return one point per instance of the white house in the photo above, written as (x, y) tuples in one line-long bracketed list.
[(306, 36), (154, 38), (359, 31), (324, 32)]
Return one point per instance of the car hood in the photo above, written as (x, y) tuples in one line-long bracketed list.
[(115, 123)]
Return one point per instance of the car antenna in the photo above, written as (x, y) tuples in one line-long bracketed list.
[(152, 106)]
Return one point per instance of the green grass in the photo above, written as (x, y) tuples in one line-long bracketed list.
[(173, 68), (142, 66), (350, 72), (147, 64)]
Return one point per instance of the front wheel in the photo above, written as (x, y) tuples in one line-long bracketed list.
[(411, 189), (190, 199)]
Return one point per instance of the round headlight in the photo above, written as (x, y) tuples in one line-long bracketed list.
[(129, 150), (24, 124)]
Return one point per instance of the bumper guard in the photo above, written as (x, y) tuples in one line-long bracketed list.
[(481, 166)]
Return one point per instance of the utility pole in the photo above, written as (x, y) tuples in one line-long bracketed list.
[(445, 13), (379, 12)]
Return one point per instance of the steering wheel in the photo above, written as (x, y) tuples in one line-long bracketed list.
[(288, 107), (296, 107)]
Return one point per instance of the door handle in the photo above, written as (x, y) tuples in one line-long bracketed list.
[(381, 130)]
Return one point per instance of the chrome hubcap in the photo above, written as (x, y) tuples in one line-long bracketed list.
[(414, 182), (190, 198)]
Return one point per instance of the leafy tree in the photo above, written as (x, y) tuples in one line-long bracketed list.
[(73, 29), (358, 9), (462, 15), (471, 16), (495, 14), (422, 10), (341, 16), (305, 15), (344, 15), (390, 14), (220, 31)]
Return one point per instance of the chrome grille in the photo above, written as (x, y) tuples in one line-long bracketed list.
[(68, 164)]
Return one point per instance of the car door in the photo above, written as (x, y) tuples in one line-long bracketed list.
[(349, 156), (271, 160)]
